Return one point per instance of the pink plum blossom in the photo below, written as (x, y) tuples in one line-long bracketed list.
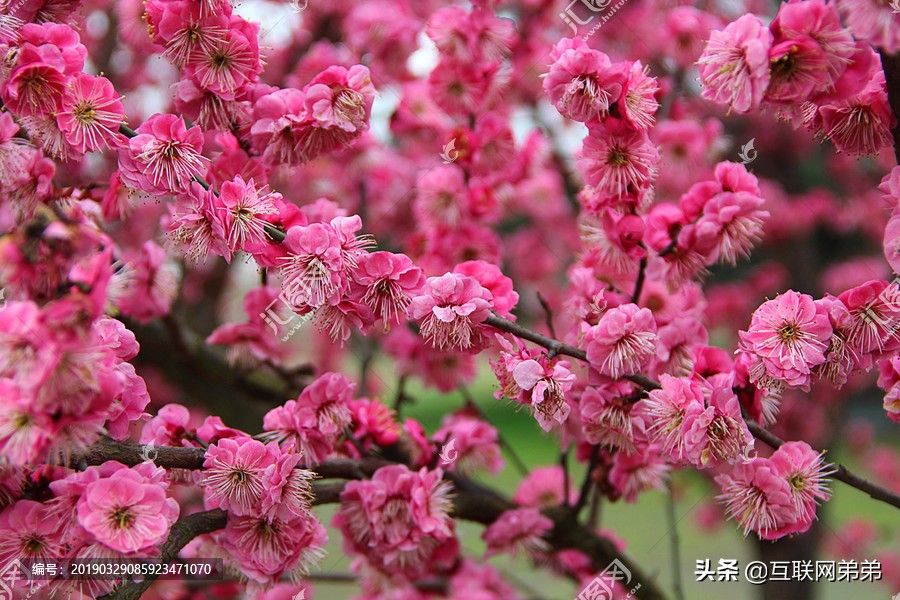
[(233, 479), (126, 512), (450, 308), (399, 520), (787, 338), (266, 549), (519, 529), (776, 496), (163, 157), (545, 384), (734, 67), (475, 444), (622, 342), (388, 281), (619, 161), (91, 114), (583, 83)]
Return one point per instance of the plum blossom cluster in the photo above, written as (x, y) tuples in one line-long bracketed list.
[(291, 127), (794, 340), (617, 102), (328, 272), (271, 531), (106, 512), (606, 298), (68, 112), (64, 367), (697, 422), (531, 378), (314, 423), (718, 220), (218, 54), (809, 68), (776, 496), (398, 524)]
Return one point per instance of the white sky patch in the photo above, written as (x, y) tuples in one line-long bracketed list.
[(425, 59), (386, 101), (276, 20)]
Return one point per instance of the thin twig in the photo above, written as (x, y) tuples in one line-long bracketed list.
[(548, 313), (841, 472), (639, 284), (588, 480), (367, 355), (551, 344), (558, 347), (348, 578), (355, 441), (677, 584), (517, 461), (401, 397), (594, 511), (290, 376)]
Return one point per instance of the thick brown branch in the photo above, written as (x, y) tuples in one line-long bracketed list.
[(132, 454), (192, 458), (471, 502), (182, 532)]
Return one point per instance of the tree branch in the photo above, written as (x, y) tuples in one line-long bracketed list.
[(841, 474), (675, 544), (588, 480), (555, 346), (548, 313), (181, 533), (192, 458), (558, 347), (471, 502), (639, 284)]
